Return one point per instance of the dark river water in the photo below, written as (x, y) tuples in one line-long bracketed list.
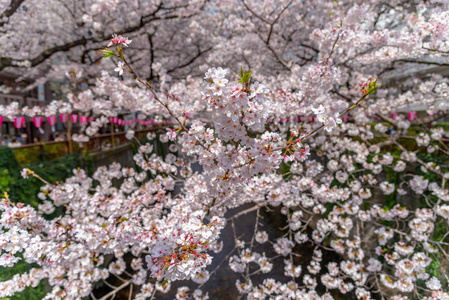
[(221, 284)]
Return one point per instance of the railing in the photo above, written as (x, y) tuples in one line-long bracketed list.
[(49, 150), (31, 102), (8, 99), (105, 141)]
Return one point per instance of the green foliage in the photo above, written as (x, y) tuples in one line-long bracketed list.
[(30, 293), (28, 155), (25, 191), (44, 152), (244, 76), (7, 159), (372, 87), (444, 125), (107, 53)]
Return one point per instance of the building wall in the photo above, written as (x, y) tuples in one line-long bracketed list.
[(38, 96)]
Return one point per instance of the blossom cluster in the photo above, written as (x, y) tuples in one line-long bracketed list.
[(305, 138)]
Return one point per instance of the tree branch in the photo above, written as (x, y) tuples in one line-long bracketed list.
[(15, 4), (46, 54)]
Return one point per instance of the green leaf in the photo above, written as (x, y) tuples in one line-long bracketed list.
[(107, 53), (244, 76), (372, 87)]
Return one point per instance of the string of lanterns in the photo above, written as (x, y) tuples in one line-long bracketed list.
[(85, 120), (74, 118)]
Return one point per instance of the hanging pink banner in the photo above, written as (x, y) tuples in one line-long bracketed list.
[(74, 118), (63, 118), (412, 115), (52, 122), (37, 121), (18, 122)]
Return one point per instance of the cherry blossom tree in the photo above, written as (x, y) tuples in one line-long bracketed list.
[(289, 107)]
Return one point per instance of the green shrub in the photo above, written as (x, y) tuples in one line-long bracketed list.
[(26, 190)]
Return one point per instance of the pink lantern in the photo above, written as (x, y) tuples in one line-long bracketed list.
[(18, 122), (52, 121), (83, 119), (1, 120), (412, 115), (394, 115), (37, 121), (63, 118), (74, 118)]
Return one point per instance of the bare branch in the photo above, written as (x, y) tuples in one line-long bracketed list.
[(15, 4)]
